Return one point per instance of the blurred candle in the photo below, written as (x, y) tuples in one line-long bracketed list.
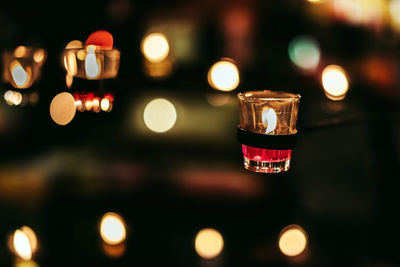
[(267, 129)]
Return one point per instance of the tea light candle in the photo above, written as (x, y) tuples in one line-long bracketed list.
[(96, 61), (267, 129)]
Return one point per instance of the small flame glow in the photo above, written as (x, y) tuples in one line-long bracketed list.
[(105, 104), (335, 82), (292, 241), (20, 51), (88, 104), (20, 77), (224, 76), (96, 105), (92, 65), (112, 228), (209, 243), (22, 246), (155, 47), (13, 97), (39, 55), (269, 119)]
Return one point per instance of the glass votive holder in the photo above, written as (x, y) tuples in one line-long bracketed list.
[(91, 62), (22, 66), (267, 129)]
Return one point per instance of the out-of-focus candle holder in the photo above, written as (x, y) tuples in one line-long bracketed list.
[(22, 66), (91, 62), (267, 129)]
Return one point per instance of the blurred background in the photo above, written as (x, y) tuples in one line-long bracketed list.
[(177, 190)]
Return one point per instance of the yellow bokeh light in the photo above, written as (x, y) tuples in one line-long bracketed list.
[(62, 108), (13, 97), (292, 240), (96, 105), (39, 55), (159, 115), (20, 76), (209, 243), (224, 76), (20, 51), (155, 47), (21, 244), (88, 104), (81, 55), (394, 10), (112, 228), (31, 237), (335, 82), (105, 104), (74, 44)]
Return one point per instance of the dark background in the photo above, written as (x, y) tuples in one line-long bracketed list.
[(342, 187)]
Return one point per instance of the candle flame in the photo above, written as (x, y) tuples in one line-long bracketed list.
[(92, 65), (20, 76), (269, 119)]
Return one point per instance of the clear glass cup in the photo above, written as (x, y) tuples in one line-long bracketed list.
[(22, 66), (92, 62), (268, 113)]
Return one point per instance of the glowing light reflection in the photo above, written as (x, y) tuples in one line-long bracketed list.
[(22, 246), (20, 51), (39, 55), (74, 44), (305, 53), (208, 243), (105, 104), (159, 115), (335, 82), (292, 240), (155, 47), (224, 76), (112, 229)]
